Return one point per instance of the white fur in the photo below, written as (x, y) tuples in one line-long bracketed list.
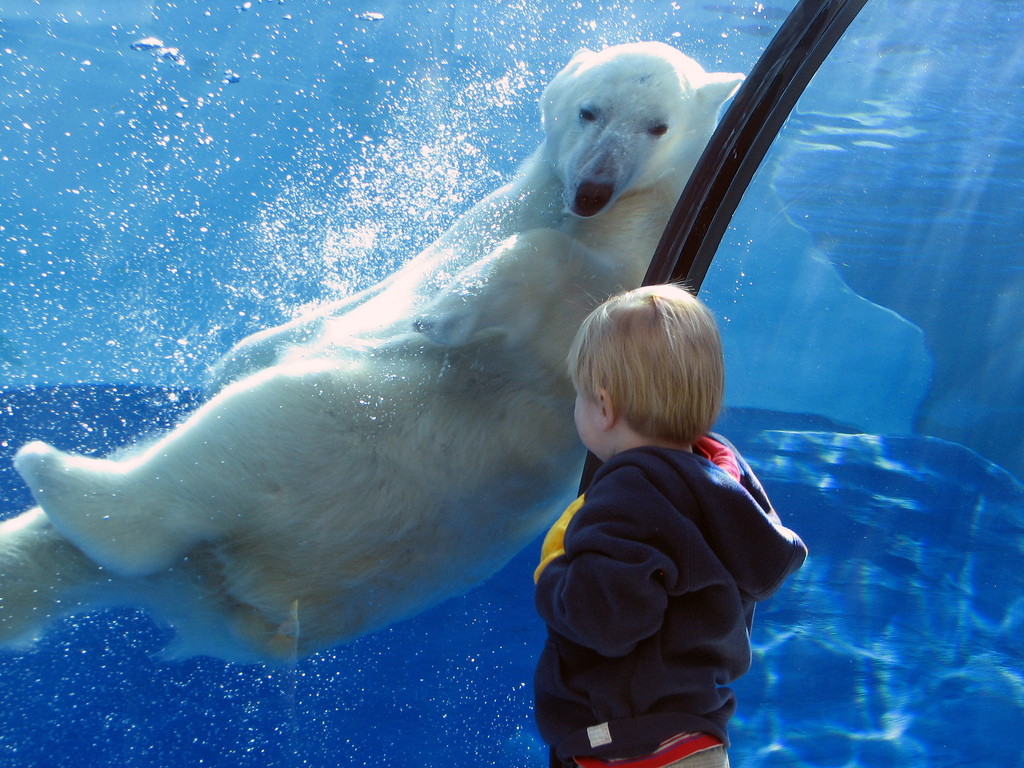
[(360, 465)]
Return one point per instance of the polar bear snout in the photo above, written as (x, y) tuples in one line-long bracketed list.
[(591, 198)]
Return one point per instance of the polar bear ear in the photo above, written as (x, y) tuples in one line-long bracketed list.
[(578, 60), (717, 88), (556, 88), (579, 57)]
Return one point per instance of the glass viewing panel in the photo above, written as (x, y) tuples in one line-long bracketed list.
[(177, 177)]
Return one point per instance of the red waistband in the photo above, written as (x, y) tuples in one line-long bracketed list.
[(670, 751)]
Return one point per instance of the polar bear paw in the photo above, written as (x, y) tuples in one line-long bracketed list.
[(87, 503)]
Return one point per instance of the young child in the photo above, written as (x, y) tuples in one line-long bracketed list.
[(648, 581)]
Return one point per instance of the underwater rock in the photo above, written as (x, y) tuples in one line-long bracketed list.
[(906, 616)]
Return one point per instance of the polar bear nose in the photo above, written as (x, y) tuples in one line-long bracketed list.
[(591, 198)]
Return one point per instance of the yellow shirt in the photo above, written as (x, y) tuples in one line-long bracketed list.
[(554, 541)]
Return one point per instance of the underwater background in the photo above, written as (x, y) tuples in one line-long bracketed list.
[(174, 176)]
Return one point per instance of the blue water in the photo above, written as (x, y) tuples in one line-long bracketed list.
[(898, 644), (152, 212)]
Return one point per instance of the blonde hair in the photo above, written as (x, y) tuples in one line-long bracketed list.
[(657, 352)]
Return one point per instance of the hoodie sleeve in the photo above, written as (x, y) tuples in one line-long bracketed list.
[(767, 552), (610, 589)]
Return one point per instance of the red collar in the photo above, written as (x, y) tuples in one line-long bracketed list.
[(719, 455)]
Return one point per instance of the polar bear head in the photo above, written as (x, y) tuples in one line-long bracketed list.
[(627, 118)]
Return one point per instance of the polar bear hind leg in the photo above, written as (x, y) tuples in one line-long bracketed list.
[(96, 506)]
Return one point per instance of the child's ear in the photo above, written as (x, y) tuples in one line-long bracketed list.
[(608, 413)]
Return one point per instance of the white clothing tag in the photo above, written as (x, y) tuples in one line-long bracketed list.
[(599, 735)]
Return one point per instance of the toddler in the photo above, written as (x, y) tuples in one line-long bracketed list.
[(648, 581)]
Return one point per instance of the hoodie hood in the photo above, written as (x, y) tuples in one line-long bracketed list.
[(735, 517)]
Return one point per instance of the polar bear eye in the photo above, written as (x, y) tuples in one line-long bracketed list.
[(587, 115), (658, 130)]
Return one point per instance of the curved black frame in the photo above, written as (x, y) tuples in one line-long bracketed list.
[(743, 137), (739, 144)]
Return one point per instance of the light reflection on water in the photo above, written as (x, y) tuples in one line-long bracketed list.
[(906, 619)]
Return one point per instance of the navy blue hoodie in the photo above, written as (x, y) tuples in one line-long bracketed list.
[(649, 609)]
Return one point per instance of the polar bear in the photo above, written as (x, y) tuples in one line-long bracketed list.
[(358, 466)]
